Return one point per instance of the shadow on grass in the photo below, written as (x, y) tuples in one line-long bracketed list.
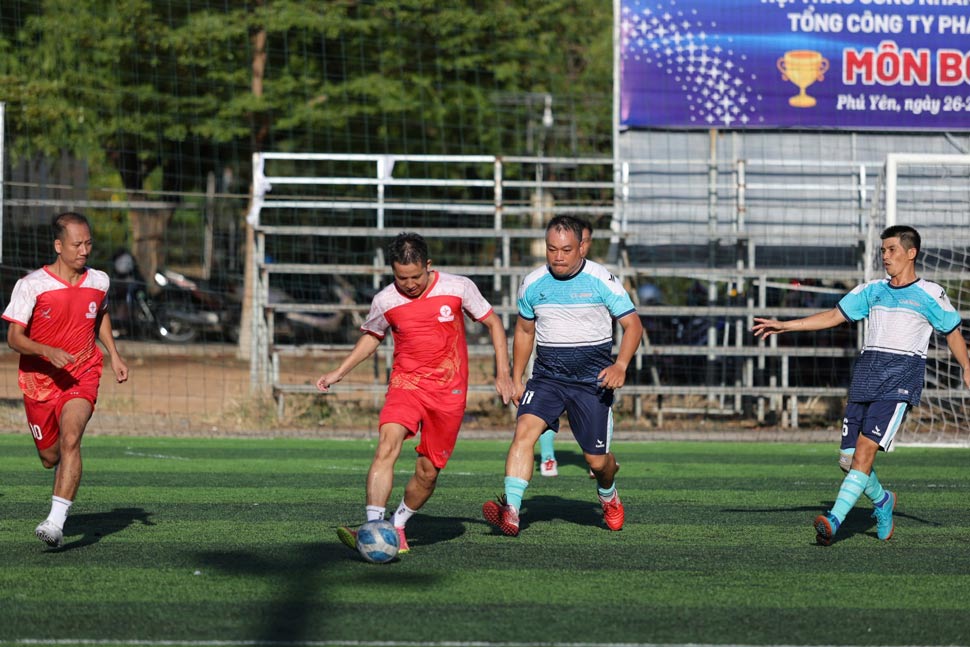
[(92, 526), (301, 575), (428, 531), (538, 509), (859, 521), (303, 569)]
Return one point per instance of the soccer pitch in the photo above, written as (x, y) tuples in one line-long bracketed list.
[(231, 542)]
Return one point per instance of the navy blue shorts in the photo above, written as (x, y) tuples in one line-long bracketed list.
[(877, 421), (588, 407)]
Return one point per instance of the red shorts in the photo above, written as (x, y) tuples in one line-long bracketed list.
[(437, 415), (43, 416)]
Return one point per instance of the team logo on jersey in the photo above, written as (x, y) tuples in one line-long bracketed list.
[(92, 310), (46, 313), (445, 314)]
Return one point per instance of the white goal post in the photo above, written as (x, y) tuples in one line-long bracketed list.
[(931, 192)]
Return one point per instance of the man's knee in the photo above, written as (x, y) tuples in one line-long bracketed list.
[(49, 457), (845, 461), (602, 464), (390, 442), (425, 471), (527, 431)]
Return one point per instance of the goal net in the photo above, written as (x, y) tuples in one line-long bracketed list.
[(932, 194)]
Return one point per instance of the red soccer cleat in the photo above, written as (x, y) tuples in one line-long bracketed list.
[(502, 516), (613, 513)]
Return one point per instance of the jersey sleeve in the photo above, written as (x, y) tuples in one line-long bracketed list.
[(855, 305), (527, 290), (472, 301), (376, 323), (22, 302), (616, 299), (944, 318)]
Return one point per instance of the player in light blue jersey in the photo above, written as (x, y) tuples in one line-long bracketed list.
[(903, 311), (548, 465), (567, 309)]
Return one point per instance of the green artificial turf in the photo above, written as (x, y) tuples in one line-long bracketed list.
[(185, 541)]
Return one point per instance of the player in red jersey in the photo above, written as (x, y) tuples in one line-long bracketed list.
[(424, 310), (55, 313)]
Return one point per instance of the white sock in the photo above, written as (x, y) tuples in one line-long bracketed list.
[(374, 512), (59, 509), (402, 514)]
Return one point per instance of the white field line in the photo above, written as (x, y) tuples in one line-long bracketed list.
[(364, 643), (161, 456)]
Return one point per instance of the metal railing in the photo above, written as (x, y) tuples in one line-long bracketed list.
[(360, 197)]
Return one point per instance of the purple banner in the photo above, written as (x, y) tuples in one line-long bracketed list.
[(852, 64)]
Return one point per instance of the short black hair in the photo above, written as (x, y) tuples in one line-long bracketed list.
[(569, 223), (908, 237), (60, 222), (407, 248)]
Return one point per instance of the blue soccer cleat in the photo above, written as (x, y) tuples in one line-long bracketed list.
[(826, 526), (884, 517)]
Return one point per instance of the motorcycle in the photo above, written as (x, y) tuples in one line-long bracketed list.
[(180, 312)]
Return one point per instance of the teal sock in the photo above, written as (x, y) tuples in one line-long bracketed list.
[(546, 451), (608, 493), (514, 490), (874, 489), (852, 487)]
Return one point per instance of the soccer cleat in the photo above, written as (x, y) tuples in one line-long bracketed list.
[(549, 468), (825, 527), (347, 537), (613, 512), (884, 517), (50, 534), (502, 516), (402, 541)]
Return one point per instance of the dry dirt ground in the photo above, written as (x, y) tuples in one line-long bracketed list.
[(204, 390)]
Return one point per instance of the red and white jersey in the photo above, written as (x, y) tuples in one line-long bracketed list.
[(430, 351), (56, 313)]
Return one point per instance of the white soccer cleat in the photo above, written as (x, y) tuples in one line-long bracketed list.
[(549, 468), (50, 534)]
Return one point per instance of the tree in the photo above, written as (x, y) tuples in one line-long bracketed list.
[(169, 91)]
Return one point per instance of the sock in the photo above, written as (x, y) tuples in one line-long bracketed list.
[(514, 490), (607, 494), (874, 489), (546, 451), (59, 509), (402, 514), (374, 512), (852, 487)]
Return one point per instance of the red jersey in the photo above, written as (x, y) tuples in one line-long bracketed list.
[(56, 313), (430, 351)]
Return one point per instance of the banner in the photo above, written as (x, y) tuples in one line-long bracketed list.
[(739, 64)]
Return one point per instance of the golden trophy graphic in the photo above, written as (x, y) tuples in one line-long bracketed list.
[(802, 67)]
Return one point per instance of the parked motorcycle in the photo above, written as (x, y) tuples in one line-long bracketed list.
[(180, 312)]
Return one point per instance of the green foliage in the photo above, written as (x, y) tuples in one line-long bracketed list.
[(169, 84), (187, 539)]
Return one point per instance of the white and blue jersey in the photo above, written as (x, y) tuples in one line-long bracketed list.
[(574, 320), (892, 365)]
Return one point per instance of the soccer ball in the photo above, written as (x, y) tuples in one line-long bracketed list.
[(377, 541)]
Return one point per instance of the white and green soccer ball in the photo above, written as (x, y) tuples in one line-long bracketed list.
[(377, 541)]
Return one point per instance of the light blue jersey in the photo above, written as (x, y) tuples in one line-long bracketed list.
[(574, 320), (901, 320)]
